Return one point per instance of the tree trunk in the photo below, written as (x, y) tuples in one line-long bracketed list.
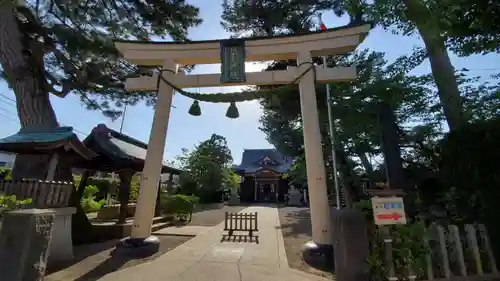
[(25, 79), (442, 69), (33, 108), (366, 164), (83, 184)]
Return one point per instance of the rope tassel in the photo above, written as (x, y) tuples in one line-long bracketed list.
[(195, 109), (232, 111)]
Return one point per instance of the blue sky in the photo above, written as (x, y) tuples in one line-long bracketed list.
[(185, 130)]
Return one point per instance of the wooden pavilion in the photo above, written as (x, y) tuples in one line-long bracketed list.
[(119, 153)]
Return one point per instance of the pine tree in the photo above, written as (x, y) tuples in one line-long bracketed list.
[(56, 47), (269, 17), (463, 26), (61, 47)]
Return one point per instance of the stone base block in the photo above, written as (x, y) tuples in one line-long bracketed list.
[(137, 247), (318, 255), (61, 246)]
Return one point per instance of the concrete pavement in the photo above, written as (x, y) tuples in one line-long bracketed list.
[(185, 230), (208, 258)]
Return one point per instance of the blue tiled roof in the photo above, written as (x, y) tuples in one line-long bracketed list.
[(251, 161), (33, 141)]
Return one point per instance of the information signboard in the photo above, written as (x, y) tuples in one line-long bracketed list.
[(388, 210)]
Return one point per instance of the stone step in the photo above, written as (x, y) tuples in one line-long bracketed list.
[(160, 225)]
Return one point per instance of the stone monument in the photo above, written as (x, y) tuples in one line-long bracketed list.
[(294, 197), (25, 238), (234, 199)]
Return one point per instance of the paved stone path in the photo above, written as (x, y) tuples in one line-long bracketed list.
[(208, 258), (185, 230)]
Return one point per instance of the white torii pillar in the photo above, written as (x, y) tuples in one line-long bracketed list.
[(315, 165), (150, 176)]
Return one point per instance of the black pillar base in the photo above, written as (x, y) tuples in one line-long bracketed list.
[(137, 247), (319, 256)]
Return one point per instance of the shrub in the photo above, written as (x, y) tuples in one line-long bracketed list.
[(90, 205), (135, 185), (9, 203), (408, 246), (90, 191), (469, 167), (102, 202), (179, 205), (103, 186), (187, 185), (5, 174), (88, 201)]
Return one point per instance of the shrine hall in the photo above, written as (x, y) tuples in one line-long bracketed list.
[(263, 173)]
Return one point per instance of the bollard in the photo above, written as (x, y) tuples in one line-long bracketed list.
[(351, 245)]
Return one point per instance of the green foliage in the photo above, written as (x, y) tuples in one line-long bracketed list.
[(416, 103), (468, 26), (206, 169), (270, 17), (88, 200), (187, 184), (9, 203), (102, 203), (409, 249), (82, 57), (135, 185), (103, 186), (232, 180), (469, 163), (5, 174), (90, 191), (355, 106), (469, 166), (179, 205), (90, 205)]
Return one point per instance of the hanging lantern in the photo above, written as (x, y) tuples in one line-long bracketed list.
[(232, 111), (195, 109)]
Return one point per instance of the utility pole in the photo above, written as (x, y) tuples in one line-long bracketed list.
[(332, 141), (331, 127), (123, 118)]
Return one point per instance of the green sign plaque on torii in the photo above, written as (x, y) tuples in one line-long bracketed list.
[(232, 54)]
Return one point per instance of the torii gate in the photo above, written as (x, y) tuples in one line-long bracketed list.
[(300, 47)]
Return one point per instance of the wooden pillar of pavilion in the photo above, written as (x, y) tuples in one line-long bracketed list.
[(124, 193), (83, 183)]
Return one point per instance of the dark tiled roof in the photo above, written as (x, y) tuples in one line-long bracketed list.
[(120, 151), (251, 161)]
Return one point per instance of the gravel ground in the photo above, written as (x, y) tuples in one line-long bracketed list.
[(296, 229)]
